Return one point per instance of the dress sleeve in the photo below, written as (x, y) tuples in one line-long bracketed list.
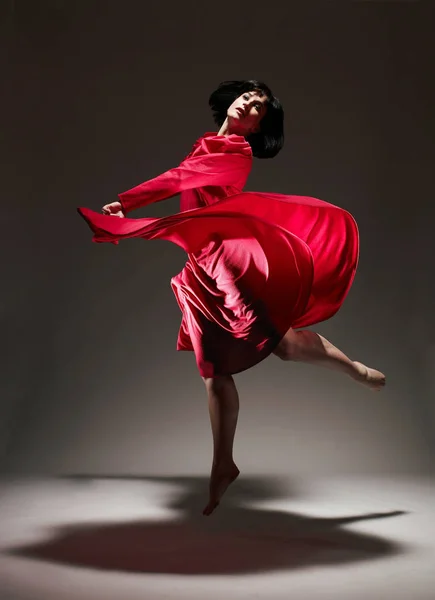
[(216, 169)]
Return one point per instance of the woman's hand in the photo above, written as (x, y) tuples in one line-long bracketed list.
[(114, 209)]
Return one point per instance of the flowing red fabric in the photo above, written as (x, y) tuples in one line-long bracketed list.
[(258, 263)]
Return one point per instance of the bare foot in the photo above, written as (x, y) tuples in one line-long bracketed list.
[(373, 379), (222, 475)]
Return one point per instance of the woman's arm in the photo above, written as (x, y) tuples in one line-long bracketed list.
[(212, 169)]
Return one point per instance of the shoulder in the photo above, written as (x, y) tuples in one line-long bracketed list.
[(211, 143)]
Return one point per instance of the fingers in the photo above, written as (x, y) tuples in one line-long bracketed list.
[(118, 214), (113, 209)]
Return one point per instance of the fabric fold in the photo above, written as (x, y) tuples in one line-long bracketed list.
[(258, 263)]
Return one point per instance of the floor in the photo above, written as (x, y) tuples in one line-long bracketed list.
[(141, 538)]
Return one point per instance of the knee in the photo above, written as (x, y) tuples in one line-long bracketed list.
[(298, 346), (284, 351), (287, 349), (217, 382)]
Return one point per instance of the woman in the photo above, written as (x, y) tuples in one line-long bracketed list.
[(259, 264)]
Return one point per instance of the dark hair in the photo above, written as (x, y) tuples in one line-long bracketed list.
[(270, 139)]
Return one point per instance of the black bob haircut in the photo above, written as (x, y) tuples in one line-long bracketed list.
[(270, 139)]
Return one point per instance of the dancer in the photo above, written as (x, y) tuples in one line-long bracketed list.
[(260, 266)]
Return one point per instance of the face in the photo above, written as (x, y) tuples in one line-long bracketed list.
[(245, 113)]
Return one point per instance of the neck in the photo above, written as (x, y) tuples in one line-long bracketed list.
[(224, 130), (227, 130)]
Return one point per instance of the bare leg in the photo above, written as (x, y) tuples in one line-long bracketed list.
[(223, 402), (308, 346)]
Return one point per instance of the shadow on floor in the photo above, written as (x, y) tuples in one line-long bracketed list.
[(234, 540)]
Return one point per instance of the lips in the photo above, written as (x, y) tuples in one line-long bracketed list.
[(241, 111)]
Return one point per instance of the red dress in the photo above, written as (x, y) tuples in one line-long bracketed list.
[(258, 263)]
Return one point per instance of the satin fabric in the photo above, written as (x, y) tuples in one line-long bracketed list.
[(258, 263)]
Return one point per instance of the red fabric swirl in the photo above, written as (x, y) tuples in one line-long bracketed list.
[(258, 263)]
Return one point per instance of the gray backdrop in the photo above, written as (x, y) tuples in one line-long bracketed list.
[(100, 96)]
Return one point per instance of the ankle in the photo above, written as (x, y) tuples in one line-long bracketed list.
[(222, 461)]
